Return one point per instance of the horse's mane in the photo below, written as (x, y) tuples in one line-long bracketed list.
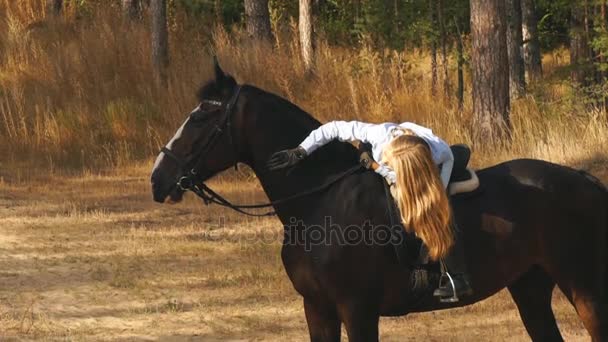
[(211, 90), (330, 160)]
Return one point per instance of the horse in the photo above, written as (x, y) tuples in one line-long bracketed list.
[(533, 225)]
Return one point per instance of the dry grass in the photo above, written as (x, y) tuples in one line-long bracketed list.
[(93, 258), (79, 91)]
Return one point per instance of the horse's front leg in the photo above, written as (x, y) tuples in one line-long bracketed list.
[(361, 321), (322, 319)]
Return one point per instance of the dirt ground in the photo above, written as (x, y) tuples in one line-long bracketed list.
[(91, 257)]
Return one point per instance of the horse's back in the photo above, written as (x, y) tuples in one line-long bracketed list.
[(543, 175), (560, 214)]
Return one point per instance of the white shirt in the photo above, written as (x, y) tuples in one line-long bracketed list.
[(379, 135)]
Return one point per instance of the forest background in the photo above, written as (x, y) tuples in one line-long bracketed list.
[(83, 86)]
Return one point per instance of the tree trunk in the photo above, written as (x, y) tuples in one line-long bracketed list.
[(258, 19), (306, 35), (532, 57), (433, 20), (217, 10), (603, 24), (131, 9), (444, 50), (579, 46), (357, 5), (396, 16), (517, 78), (490, 65), (460, 45), (54, 7), (160, 39)]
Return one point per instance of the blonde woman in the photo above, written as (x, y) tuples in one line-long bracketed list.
[(419, 165)]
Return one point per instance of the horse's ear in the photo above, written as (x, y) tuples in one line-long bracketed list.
[(222, 80), (219, 73)]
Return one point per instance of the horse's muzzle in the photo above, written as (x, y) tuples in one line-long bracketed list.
[(163, 187)]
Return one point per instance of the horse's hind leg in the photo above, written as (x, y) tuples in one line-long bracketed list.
[(588, 291), (532, 293), (323, 322), (593, 311), (583, 278), (591, 304)]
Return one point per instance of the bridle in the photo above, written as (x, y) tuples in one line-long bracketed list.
[(223, 125), (190, 181)]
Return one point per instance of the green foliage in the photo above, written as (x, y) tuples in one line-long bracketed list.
[(600, 44), (389, 23), (230, 12), (553, 22)]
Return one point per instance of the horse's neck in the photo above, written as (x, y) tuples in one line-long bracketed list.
[(281, 126)]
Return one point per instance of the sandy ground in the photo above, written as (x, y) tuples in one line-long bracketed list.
[(93, 258)]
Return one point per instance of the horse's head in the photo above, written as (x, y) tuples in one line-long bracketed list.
[(203, 145)]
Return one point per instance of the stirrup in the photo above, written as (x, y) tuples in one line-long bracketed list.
[(446, 278)]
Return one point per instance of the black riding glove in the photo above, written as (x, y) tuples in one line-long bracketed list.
[(366, 160), (286, 158)]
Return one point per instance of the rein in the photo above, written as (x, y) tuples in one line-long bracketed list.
[(209, 196), (191, 181)]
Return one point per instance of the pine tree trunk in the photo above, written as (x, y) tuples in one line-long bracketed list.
[(396, 16), (54, 7), (460, 45), (579, 46), (160, 39), (532, 57), (603, 25), (517, 82), (258, 19), (217, 10), (433, 49), (490, 66), (131, 9), (306, 35), (444, 50)]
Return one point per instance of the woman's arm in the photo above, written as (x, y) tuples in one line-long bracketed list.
[(446, 161), (387, 173), (342, 130), (446, 172)]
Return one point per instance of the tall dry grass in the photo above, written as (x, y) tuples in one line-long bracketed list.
[(79, 90)]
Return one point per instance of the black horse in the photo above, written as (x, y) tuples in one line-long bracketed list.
[(534, 225)]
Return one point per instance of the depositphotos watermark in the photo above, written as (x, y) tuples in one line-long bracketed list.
[(298, 233)]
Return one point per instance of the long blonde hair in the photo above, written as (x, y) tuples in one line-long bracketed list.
[(420, 195)]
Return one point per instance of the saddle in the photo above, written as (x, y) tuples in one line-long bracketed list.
[(463, 179)]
